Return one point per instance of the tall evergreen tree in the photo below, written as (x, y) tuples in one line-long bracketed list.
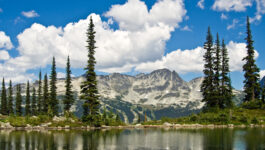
[(18, 101), (251, 85), (53, 95), (69, 98), (33, 103), (263, 95), (10, 99), (27, 108), (89, 91), (217, 70), (45, 100), (40, 103), (226, 88), (3, 99), (207, 87)]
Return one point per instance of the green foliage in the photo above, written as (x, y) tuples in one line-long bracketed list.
[(10, 99), (256, 104), (226, 88), (53, 101), (3, 99), (251, 85), (40, 103), (33, 104), (69, 98), (89, 91), (194, 118), (27, 108), (18, 101), (255, 120), (207, 87), (45, 100)]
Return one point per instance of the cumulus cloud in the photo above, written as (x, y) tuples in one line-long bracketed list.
[(186, 28), (4, 55), (30, 14), (262, 73), (233, 25), (223, 16), (231, 5), (201, 4), (120, 50), (184, 61), (5, 42)]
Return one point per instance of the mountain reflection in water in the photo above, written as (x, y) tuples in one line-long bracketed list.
[(134, 139)]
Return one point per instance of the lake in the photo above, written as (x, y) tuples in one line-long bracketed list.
[(135, 139)]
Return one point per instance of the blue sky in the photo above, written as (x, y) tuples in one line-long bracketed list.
[(132, 36)]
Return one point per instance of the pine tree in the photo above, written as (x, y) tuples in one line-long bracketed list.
[(69, 98), (27, 108), (3, 99), (263, 95), (89, 91), (45, 100), (40, 103), (207, 87), (226, 88), (53, 102), (10, 99), (33, 104), (251, 85), (18, 101), (217, 70)]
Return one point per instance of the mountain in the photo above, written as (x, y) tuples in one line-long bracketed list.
[(157, 94)]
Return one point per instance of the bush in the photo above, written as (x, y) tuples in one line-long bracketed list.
[(194, 118), (255, 120), (244, 119), (256, 104), (223, 118)]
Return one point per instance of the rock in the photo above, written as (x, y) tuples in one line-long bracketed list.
[(46, 124), (28, 126), (138, 125), (6, 125), (166, 124), (58, 119), (67, 127), (230, 125)]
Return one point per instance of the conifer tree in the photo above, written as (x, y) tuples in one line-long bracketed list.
[(69, 98), (217, 70), (10, 99), (263, 95), (27, 108), (33, 103), (40, 103), (18, 101), (251, 85), (45, 100), (89, 91), (207, 87), (3, 99), (53, 102), (226, 88)]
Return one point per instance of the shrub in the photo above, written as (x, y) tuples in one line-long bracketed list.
[(223, 118), (255, 120), (244, 119), (194, 118), (256, 104)]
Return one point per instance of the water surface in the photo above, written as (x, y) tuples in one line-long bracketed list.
[(134, 139)]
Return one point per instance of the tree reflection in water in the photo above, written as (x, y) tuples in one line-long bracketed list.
[(250, 138)]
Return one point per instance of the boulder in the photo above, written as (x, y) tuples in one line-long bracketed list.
[(58, 119), (166, 124)]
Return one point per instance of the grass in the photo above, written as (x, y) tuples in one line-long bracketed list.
[(235, 116)]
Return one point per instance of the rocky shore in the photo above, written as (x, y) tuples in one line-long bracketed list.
[(7, 126)]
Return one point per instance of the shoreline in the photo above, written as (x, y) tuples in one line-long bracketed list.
[(138, 126)]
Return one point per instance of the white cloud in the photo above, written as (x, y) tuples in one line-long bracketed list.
[(4, 55), (231, 5), (201, 4), (134, 14), (233, 25), (118, 50), (223, 16), (184, 61), (1, 10), (262, 73), (5, 42), (186, 28), (60, 75), (30, 14)]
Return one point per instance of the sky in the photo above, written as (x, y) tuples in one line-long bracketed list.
[(132, 36)]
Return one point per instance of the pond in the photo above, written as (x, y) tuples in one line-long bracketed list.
[(134, 139)]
